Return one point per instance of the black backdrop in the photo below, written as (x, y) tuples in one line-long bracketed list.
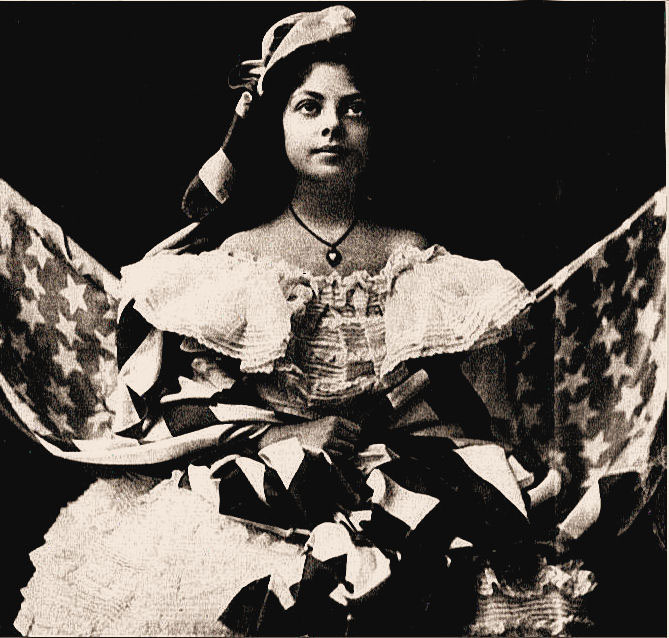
[(524, 132)]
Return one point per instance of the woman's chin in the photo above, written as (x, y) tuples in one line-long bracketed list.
[(333, 173)]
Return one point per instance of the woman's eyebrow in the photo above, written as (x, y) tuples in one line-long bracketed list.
[(313, 94), (319, 96)]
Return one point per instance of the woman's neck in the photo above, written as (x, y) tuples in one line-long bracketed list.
[(322, 205)]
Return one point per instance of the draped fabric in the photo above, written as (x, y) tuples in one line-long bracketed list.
[(57, 330), (574, 376), (590, 375)]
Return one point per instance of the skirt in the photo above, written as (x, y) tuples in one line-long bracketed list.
[(136, 556), (142, 556)]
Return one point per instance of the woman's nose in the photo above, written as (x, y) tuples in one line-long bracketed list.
[(330, 122)]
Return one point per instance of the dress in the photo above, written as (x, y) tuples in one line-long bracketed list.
[(143, 556)]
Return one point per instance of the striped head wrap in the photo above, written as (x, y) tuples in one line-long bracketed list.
[(287, 36)]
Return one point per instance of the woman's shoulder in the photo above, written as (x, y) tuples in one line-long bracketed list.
[(399, 237), (256, 241), (393, 237), (244, 240)]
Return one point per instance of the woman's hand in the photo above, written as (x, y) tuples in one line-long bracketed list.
[(335, 435), (332, 434)]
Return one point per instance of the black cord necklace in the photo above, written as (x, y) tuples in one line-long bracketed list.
[(333, 256)]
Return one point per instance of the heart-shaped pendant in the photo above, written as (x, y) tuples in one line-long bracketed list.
[(333, 256)]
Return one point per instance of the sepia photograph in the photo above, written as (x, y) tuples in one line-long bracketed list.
[(326, 319)]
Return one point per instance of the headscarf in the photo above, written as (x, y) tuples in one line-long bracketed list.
[(287, 36)]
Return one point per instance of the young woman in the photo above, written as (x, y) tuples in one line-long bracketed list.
[(320, 344)]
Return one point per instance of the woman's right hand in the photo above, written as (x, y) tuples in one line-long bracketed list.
[(332, 434), (335, 435)]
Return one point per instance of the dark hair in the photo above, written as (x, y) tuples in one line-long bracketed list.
[(266, 178)]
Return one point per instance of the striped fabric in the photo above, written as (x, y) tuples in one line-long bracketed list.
[(417, 513)]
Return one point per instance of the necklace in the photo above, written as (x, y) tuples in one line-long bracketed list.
[(333, 256)]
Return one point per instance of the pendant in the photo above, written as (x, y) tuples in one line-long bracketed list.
[(333, 257)]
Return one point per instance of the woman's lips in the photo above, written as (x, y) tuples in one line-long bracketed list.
[(331, 150)]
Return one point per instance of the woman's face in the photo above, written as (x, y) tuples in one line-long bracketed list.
[(325, 125)]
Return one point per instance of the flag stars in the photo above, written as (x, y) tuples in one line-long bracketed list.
[(630, 399), (562, 307), (67, 360), (32, 282), (74, 293), (99, 424), (604, 299), (107, 342), (582, 412), (60, 393), (634, 241), (60, 420), (38, 252), (610, 334), (567, 347), (66, 327), (523, 384), (618, 369), (598, 263), (629, 281), (29, 312), (579, 379), (636, 288)]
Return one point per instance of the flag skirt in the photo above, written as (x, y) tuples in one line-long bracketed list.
[(141, 556)]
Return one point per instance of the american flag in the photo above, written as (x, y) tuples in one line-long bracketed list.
[(585, 385), (57, 328), (588, 367)]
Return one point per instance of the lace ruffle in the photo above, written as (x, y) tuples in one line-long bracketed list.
[(132, 557), (547, 605), (430, 302), (447, 303), (235, 307)]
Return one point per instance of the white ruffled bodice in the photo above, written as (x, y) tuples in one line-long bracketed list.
[(326, 338)]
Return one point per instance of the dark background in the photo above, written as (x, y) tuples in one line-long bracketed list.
[(523, 132)]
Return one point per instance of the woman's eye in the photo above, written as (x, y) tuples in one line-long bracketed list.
[(356, 109), (309, 107)]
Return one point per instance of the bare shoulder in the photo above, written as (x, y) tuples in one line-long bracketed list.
[(253, 240), (404, 237), (238, 241), (392, 237)]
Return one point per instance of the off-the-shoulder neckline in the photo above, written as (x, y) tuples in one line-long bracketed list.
[(400, 258)]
